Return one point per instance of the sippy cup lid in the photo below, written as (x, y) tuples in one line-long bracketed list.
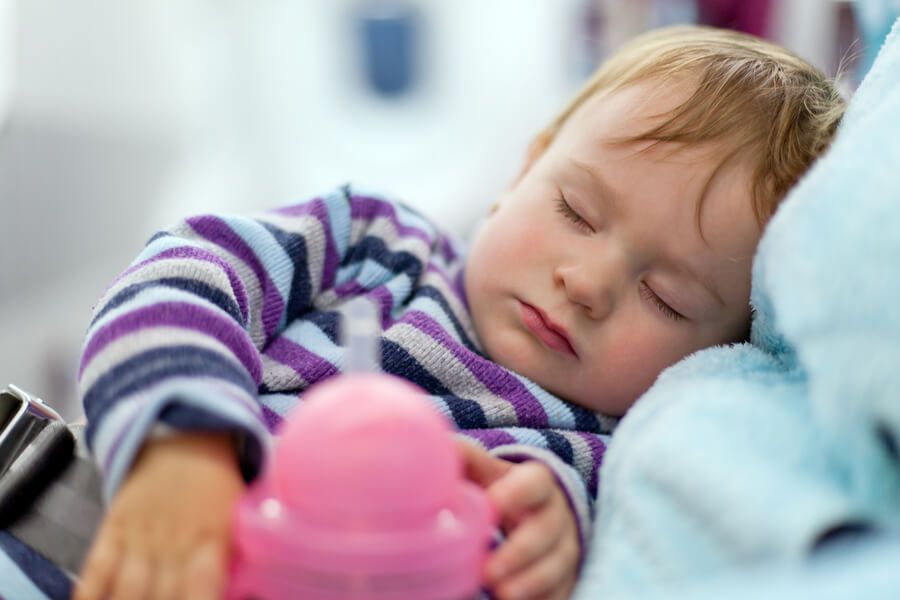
[(365, 448)]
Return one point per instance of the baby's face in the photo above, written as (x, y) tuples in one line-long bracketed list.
[(592, 276)]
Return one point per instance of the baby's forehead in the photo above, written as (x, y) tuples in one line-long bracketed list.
[(643, 102)]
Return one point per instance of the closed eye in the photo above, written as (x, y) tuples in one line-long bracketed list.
[(648, 294), (565, 209)]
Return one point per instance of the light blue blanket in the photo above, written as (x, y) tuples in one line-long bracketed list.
[(724, 478)]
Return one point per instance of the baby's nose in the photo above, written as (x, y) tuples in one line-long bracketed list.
[(596, 283)]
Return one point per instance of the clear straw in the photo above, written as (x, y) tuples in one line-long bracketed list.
[(360, 333)]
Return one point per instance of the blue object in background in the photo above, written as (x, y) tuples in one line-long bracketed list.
[(389, 39), (875, 18)]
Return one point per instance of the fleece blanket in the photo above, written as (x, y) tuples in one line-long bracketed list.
[(773, 467)]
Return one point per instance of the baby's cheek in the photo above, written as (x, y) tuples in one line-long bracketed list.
[(621, 371)]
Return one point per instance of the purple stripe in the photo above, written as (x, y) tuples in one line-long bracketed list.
[(192, 252), (351, 289), (185, 316), (386, 302), (369, 209), (271, 418), (598, 449), (318, 209), (309, 365), (218, 232), (447, 248), (491, 438), (529, 410)]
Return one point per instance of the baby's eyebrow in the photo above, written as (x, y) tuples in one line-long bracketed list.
[(687, 270), (610, 194)]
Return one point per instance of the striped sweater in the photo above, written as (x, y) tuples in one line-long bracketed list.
[(222, 323)]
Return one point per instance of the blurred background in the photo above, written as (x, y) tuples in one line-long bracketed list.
[(117, 118)]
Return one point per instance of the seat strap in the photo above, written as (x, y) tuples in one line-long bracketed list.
[(61, 521)]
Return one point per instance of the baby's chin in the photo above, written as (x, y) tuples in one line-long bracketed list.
[(608, 401)]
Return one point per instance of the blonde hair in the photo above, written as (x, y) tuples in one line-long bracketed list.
[(753, 95)]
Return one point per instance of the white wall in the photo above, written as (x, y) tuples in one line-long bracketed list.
[(128, 115), (7, 57)]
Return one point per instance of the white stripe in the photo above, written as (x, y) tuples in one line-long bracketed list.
[(277, 376), (190, 268), (142, 340), (582, 456)]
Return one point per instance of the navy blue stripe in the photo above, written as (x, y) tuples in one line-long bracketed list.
[(559, 445), (41, 572), (156, 236), (397, 361), (147, 368), (329, 321), (300, 296), (374, 248), (467, 414), (585, 420), (433, 293), (193, 286)]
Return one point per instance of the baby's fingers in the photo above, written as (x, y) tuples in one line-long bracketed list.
[(135, 577), (550, 578), (204, 575), (165, 586), (99, 569), (525, 488), (535, 537)]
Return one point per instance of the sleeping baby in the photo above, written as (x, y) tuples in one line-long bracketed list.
[(624, 245)]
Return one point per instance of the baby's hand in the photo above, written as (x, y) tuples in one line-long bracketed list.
[(540, 556), (166, 533)]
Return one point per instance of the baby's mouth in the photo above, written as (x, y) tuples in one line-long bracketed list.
[(553, 336)]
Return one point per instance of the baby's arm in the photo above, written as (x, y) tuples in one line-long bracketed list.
[(541, 554), (166, 532)]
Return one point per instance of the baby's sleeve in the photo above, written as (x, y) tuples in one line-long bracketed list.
[(175, 341)]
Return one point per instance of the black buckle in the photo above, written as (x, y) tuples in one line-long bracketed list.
[(35, 446)]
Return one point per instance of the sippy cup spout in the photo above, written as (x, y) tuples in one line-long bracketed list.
[(360, 333)]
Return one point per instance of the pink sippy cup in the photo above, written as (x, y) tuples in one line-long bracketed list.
[(364, 498)]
